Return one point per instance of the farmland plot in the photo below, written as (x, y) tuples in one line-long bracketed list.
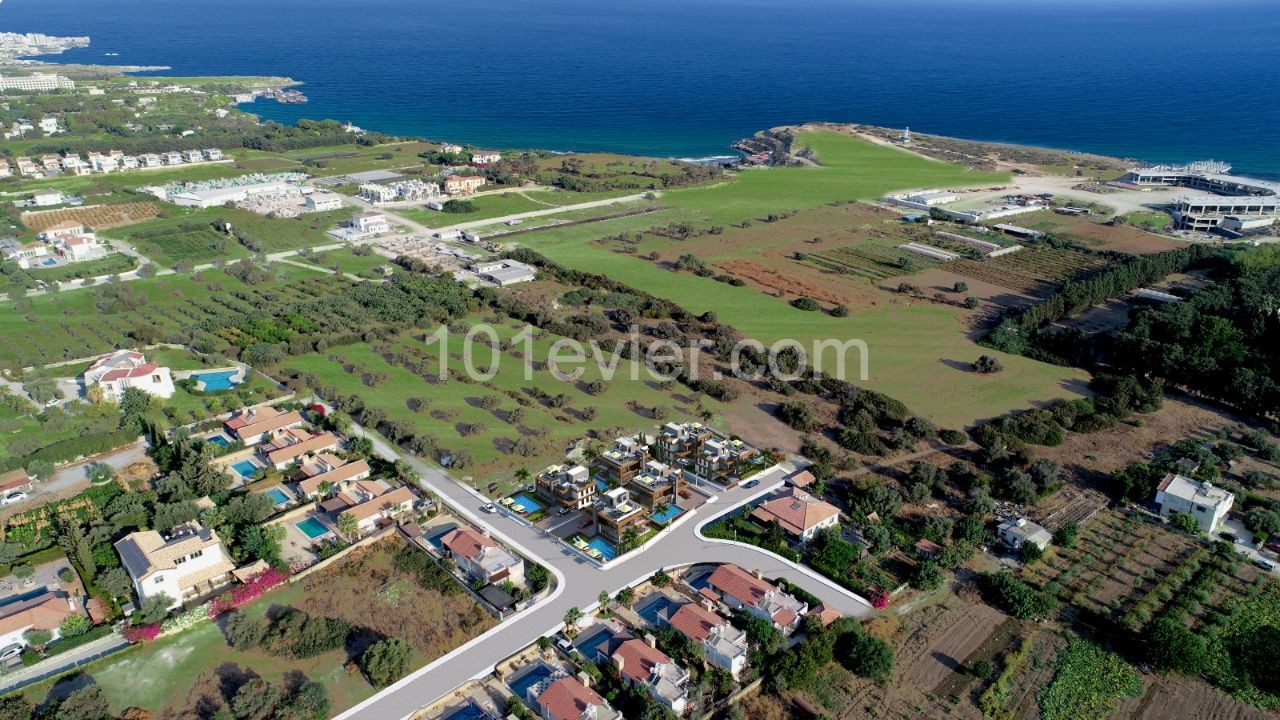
[(1033, 270), (96, 217)]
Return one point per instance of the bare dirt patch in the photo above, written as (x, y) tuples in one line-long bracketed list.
[(940, 647), (781, 283), (1174, 696)]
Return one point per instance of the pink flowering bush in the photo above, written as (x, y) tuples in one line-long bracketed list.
[(241, 595), (141, 633), (879, 599)]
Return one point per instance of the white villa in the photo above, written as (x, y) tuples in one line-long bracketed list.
[(1201, 500), (185, 565), (114, 372)]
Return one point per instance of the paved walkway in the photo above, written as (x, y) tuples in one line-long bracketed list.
[(578, 583), (63, 662)]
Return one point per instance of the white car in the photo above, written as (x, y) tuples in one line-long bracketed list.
[(489, 508), (10, 652), (16, 496)]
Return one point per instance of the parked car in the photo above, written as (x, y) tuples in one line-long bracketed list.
[(1264, 564), (16, 496), (564, 511), (489, 508), (10, 652), (583, 524), (750, 484), (1230, 537)]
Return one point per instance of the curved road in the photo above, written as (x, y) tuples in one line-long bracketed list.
[(578, 583)]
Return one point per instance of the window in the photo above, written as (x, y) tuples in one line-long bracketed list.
[(196, 554), (179, 561)]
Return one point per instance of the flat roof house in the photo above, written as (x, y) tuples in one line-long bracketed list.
[(616, 514), (370, 223), (323, 202), (255, 425), (723, 645), (624, 460), (1203, 501), (798, 513), (184, 565), (657, 483), (741, 590), (570, 486), (482, 557), (45, 611), (1016, 532), (115, 372), (568, 698)]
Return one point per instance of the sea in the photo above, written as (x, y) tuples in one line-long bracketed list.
[(1159, 80)]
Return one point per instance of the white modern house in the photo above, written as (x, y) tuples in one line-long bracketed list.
[(1016, 532), (370, 223), (184, 565), (1203, 501), (114, 372)]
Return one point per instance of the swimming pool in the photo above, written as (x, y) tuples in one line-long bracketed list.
[(532, 677), (437, 539), (470, 712), (218, 440), (525, 503), (245, 468), (277, 496), (671, 513), (652, 611), (49, 263), (601, 485), (214, 381), (606, 548), (312, 528)]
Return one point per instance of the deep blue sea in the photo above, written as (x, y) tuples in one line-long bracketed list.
[(1163, 80)]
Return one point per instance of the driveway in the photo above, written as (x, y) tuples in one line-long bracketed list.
[(578, 583), (73, 479)]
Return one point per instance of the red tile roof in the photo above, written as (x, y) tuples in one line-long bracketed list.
[(639, 658), (567, 699), (466, 542), (796, 511), (118, 373), (733, 580), (695, 621)]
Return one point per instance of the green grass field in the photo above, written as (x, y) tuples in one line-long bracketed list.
[(918, 352), (110, 265), (460, 402)]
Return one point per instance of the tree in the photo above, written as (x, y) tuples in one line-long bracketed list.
[(134, 406), (115, 581), (870, 657), (538, 577), (386, 661), (987, 364), (15, 707), (1174, 646), (100, 473), (38, 638), (348, 526), (1030, 552), (87, 703), (879, 541), (1262, 520), (624, 596), (928, 576), (572, 616), (603, 599), (244, 632), (40, 469), (154, 609), (1066, 535), (960, 287), (1184, 522), (255, 700), (74, 626), (43, 390), (309, 702)]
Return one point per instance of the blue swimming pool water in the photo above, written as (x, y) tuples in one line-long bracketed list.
[(312, 528), (214, 381), (606, 548), (437, 539), (531, 677), (650, 611), (601, 485), (671, 513), (277, 495), (525, 503), (218, 440), (470, 712), (47, 263), (245, 468)]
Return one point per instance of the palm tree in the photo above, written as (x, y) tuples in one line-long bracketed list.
[(624, 596), (603, 599), (661, 508), (348, 526), (572, 616), (523, 476)]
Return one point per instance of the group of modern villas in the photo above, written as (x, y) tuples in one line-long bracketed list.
[(641, 479)]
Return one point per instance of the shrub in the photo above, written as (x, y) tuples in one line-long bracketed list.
[(805, 303), (74, 626), (244, 632), (141, 633), (386, 661)]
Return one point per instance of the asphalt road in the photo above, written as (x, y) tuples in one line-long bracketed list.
[(578, 584)]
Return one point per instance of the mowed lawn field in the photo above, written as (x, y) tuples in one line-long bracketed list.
[(918, 351)]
